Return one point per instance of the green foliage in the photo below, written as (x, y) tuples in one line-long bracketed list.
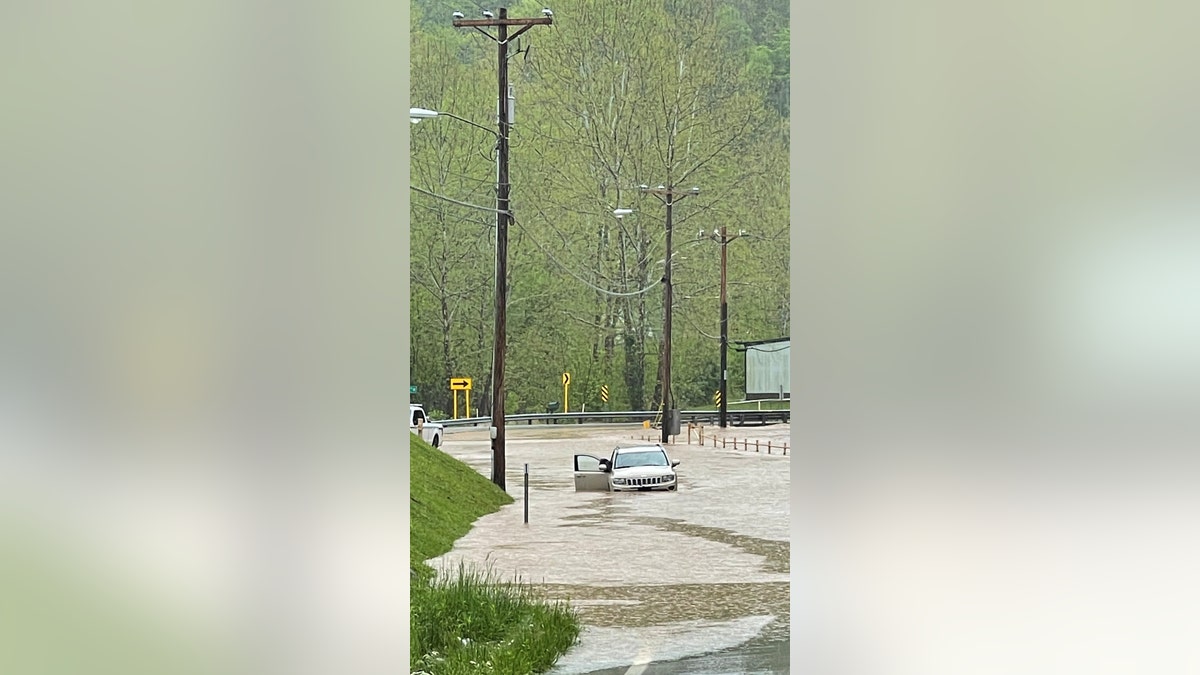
[(760, 67), (615, 94)]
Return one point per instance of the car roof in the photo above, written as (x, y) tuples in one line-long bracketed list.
[(638, 448)]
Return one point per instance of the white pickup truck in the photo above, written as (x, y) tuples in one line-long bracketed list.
[(419, 424)]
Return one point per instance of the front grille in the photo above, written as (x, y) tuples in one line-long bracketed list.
[(655, 480)]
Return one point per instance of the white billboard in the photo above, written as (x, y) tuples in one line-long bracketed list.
[(768, 369)]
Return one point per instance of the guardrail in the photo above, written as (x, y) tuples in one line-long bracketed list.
[(736, 417)]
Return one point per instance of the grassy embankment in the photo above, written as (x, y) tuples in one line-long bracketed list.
[(469, 621)]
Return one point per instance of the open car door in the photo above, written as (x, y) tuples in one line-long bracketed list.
[(588, 475)]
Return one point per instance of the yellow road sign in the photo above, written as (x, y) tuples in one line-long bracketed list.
[(604, 393), (566, 392), (458, 384)]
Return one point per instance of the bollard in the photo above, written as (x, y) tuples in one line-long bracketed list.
[(768, 447), (526, 493), (756, 445)]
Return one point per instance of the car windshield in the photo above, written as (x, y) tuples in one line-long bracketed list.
[(641, 458)]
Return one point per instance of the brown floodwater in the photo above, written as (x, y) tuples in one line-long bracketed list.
[(655, 576)]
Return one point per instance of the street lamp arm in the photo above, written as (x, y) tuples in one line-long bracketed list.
[(467, 121), (418, 114)]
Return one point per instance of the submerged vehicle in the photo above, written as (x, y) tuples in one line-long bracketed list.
[(639, 468)]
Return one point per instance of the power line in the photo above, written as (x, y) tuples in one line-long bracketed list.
[(764, 351), (455, 201), (581, 280), (445, 174), (698, 330)]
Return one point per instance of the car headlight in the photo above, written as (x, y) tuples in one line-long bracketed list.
[(618, 481), (668, 478)]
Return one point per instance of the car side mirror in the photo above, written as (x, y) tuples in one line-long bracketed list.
[(674, 464), (604, 465)]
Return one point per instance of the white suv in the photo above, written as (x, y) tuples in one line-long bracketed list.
[(641, 468)]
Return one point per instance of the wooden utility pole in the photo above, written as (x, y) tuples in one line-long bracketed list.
[(503, 215), (723, 238), (668, 196)]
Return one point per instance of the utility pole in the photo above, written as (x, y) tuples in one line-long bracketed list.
[(668, 196), (503, 215), (723, 238)]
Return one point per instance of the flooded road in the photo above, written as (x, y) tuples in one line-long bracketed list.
[(697, 577)]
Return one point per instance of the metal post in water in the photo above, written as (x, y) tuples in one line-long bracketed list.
[(526, 493)]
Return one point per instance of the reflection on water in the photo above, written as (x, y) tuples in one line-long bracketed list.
[(654, 575)]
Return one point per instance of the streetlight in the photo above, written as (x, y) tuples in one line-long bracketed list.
[(668, 196), (415, 115), (722, 237)]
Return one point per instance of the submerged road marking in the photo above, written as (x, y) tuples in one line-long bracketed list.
[(640, 662)]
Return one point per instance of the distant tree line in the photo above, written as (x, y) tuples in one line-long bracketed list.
[(613, 95)]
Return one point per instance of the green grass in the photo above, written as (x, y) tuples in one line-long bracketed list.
[(467, 622), (470, 621)]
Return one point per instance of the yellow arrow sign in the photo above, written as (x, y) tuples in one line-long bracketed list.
[(460, 383), (566, 392)]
